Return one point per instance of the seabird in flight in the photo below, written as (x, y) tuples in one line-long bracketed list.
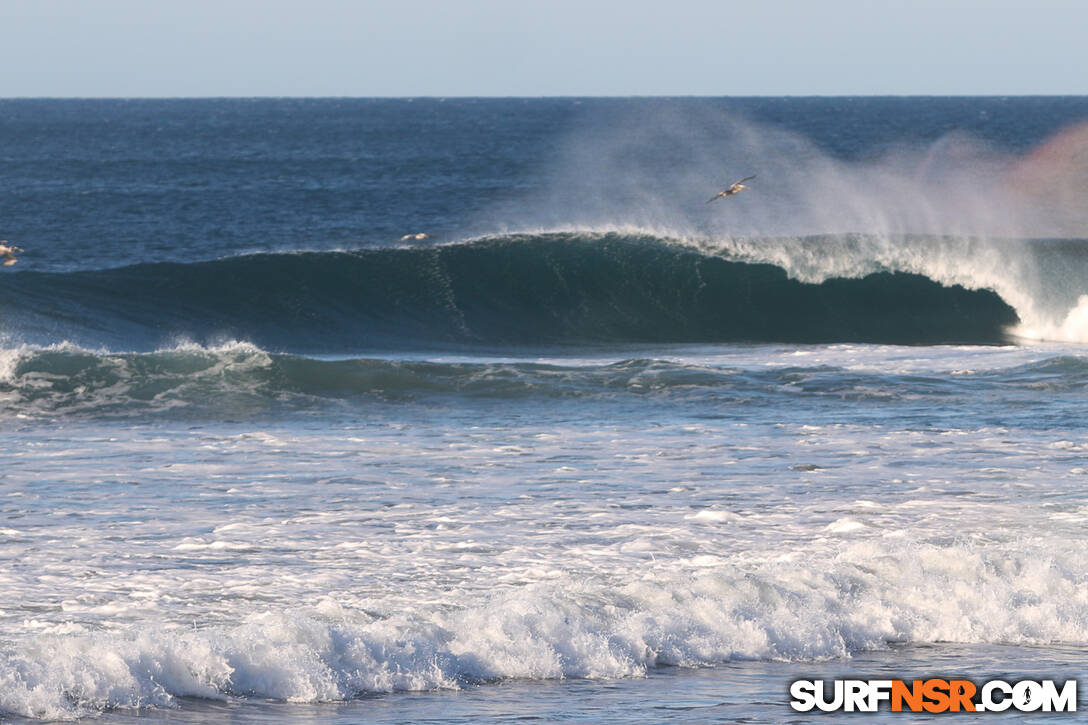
[(415, 237), (8, 253), (734, 188)]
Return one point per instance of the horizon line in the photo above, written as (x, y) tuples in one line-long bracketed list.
[(442, 97)]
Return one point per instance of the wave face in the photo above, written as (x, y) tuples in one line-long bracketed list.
[(520, 289)]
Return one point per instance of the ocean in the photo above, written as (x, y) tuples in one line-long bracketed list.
[(594, 450)]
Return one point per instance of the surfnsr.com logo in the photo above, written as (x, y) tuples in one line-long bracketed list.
[(933, 695)]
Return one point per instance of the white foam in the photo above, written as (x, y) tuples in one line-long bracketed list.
[(312, 560), (1073, 328), (865, 596), (117, 374), (844, 526)]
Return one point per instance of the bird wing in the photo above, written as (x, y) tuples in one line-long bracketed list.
[(746, 178), (719, 195)]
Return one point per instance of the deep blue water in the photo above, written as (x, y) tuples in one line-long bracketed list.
[(594, 440), (177, 180)]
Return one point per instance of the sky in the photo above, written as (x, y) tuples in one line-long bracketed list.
[(171, 48)]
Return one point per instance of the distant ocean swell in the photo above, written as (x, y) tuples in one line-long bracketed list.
[(877, 591), (521, 289)]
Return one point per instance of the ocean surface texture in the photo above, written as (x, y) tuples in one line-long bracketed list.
[(595, 449)]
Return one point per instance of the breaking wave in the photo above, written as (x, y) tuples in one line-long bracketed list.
[(698, 612), (554, 288)]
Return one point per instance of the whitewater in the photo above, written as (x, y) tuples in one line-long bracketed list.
[(598, 448)]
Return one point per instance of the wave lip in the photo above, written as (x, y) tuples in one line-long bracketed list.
[(516, 289)]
